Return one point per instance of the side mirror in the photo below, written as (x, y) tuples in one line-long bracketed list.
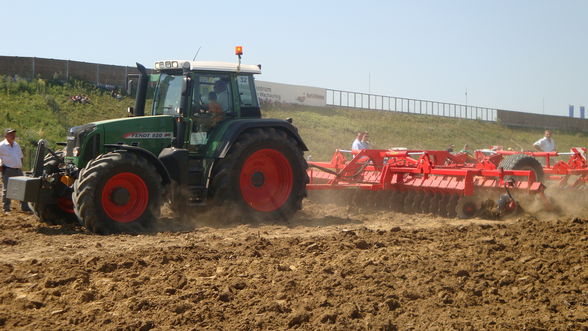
[(185, 81), (186, 86)]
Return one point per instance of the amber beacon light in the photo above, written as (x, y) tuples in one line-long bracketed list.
[(239, 50)]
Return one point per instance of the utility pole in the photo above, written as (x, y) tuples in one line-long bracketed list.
[(369, 90), (466, 108)]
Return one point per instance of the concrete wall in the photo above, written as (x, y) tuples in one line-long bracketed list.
[(12, 65), (520, 119), (33, 67)]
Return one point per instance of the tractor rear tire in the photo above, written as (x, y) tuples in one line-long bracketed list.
[(262, 177), (118, 192), (522, 162), (59, 213)]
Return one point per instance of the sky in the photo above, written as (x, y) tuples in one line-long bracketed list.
[(521, 55)]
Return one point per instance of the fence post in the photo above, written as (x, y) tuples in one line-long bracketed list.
[(127, 75)]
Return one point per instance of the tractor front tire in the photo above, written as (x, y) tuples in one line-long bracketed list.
[(118, 192), (59, 213), (262, 177)]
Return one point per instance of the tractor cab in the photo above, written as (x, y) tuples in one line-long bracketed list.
[(202, 95)]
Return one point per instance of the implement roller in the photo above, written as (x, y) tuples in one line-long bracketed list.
[(564, 173), (425, 181), (572, 173)]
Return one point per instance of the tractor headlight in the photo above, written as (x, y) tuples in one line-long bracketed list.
[(75, 138), (167, 65)]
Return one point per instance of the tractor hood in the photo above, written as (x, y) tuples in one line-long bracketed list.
[(152, 133), (149, 132)]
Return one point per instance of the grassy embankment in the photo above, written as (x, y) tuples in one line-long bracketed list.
[(42, 109), (325, 129)]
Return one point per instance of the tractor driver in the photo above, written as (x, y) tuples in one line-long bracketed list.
[(222, 95), (215, 108)]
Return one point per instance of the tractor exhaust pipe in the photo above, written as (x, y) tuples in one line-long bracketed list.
[(139, 109)]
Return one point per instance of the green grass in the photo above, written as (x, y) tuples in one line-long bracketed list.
[(325, 129), (42, 109)]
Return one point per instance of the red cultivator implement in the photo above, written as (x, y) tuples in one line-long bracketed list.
[(424, 181), (572, 173), (564, 174)]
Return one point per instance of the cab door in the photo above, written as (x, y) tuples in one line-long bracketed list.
[(212, 103)]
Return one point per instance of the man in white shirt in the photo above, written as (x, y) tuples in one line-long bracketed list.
[(358, 143), (11, 159), (545, 144)]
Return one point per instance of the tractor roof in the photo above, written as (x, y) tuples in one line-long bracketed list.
[(208, 66)]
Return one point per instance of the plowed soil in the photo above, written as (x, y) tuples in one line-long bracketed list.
[(330, 268)]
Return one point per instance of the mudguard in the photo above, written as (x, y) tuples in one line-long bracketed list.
[(235, 128), (147, 155)]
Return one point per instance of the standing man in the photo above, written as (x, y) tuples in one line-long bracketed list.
[(545, 144), (358, 143), (366, 141), (11, 157)]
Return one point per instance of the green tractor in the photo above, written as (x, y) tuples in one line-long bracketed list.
[(203, 145)]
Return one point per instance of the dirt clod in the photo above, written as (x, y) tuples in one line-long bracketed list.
[(298, 318)]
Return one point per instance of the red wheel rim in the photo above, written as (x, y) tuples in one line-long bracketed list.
[(66, 205), (266, 180), (138, 197)]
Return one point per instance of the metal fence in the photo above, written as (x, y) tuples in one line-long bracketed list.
[(413, 106)]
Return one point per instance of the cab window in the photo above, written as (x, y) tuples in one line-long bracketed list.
[(214, 88), (247, 97), (168, 95)]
